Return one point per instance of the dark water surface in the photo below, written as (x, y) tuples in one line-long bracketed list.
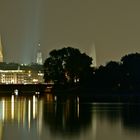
[(56, 118)]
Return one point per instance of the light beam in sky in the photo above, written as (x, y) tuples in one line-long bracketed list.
[(93, 55), (32, 29), (112, 25)]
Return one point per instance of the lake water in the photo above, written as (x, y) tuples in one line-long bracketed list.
[(56, 118)]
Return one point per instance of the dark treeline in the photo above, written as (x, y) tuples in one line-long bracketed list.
[(69, 67), (123, 75)]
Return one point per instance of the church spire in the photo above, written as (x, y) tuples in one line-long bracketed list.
[(39, 56), (1, 53)]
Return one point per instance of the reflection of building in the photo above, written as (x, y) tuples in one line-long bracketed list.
[(22, 111)]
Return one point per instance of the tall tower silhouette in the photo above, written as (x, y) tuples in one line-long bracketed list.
[(1, 53), (39, 59)]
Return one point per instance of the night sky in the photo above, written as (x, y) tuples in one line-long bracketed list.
[(111, 26)]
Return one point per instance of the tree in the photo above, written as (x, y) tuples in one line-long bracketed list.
[(131, 69), (108, 77), (67, 65), (113, 73)]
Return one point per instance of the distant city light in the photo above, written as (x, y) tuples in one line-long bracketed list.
[(21, 76)]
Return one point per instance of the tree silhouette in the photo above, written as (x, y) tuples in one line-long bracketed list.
[(67, 65), (113, 74), (131, 70)]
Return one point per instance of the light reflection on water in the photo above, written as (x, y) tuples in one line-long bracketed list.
[(57, 118)]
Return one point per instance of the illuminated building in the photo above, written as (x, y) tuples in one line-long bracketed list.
[(1, 53), (12, 76), (14, 73), (39, 56), (20, 77)]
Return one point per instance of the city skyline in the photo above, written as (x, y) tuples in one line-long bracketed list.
[(38, 58), (112, 26)]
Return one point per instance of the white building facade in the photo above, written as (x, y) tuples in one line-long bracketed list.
[(20, 77)]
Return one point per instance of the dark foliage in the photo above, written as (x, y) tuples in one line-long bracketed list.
[(124, 75), (67, 65)]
